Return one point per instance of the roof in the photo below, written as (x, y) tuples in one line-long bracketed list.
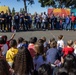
[(4, 8)]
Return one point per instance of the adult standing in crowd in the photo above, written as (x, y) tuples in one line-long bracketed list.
[(26, 20), (67, 23), (16, 20), (72, 21), (30, 21), (2, 21), (53, 22), (58, 22), (22, 26), (63, 21), (44, 20), (9, 21), (49, 21), (38, 25), (40, 21), (35, 20)]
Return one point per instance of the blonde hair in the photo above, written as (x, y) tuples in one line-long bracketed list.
[(60, 37), (70, 43), (39, 48), (43, 38)]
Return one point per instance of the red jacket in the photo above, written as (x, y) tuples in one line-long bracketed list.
[(68, 50), (72, 18)]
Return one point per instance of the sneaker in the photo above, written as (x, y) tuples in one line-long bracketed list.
[(4, 31), (0, 30)]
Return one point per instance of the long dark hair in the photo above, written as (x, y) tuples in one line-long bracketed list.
[(45, 69), (4, 67), (69, 66), (69, 62), (23, 63)]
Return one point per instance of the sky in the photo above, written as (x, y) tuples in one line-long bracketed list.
[(17, 5)]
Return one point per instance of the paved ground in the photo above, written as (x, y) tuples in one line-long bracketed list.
[(48, 34)]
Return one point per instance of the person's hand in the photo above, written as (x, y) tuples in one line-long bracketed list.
[(13, 35), (11, 70), (62, 60)]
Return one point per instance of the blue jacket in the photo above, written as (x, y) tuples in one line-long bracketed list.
[(52, 55)]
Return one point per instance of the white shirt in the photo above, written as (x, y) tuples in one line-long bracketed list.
[(74, 49), (60, 43), (19, 45), (44, 18), (45, 44), (5, 48)]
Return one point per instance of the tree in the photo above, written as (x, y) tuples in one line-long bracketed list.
[(21, 10), (67, 3), (9, 10), (13, 11), (58, 3), (46, 2), (25, 5)]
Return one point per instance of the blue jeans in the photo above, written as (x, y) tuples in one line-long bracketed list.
[(58, 25), (68, 26), (17, 26), (52, 25), (27, 24), (63, 25)]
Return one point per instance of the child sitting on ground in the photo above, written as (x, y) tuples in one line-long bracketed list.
[(68, 49), (11, 52)]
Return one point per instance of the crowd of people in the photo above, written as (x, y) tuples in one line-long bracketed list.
[(37, 56), (42, 21)]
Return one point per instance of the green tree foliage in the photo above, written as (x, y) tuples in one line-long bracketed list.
[(58, 3), (46, 2), (22, 10), (68, 3), (30, 2), (13, 11), (9, 10)]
